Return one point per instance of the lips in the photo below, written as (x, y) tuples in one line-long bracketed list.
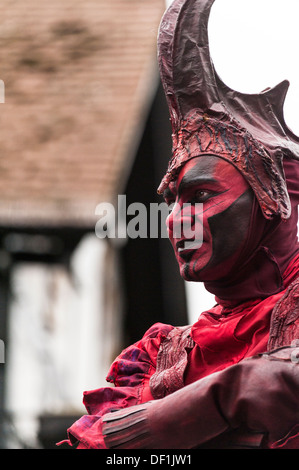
[(187, 245)]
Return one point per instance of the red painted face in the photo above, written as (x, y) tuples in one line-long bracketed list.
[(224, 215)]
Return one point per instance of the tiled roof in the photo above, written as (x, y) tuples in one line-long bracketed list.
[(79, 76)]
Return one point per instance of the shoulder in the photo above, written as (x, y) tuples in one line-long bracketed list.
[(284, 326), (157, 330)]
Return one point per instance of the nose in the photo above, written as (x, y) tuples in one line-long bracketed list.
[(180, 216)]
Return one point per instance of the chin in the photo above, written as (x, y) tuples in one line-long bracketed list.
[(189, 275)]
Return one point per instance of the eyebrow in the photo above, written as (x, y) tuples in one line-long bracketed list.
[(188, 182)]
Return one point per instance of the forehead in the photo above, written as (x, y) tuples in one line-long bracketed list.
[(206, 169)]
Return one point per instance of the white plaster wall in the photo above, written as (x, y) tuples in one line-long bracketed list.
[(60, 335)]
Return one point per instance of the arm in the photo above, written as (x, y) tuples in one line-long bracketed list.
[(130, 374), (260, 393)]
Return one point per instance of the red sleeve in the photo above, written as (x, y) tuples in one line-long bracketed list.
[(130, 373), (135, 365)]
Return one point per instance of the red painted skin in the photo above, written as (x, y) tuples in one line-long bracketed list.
[(222, 190)]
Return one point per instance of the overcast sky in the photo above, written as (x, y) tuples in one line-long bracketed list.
[(254, 44)]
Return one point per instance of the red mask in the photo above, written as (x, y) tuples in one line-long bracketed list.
[(224, 216)]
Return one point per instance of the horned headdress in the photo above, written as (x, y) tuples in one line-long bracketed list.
[(208, 117)]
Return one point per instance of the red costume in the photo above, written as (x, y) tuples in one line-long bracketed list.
[(232, 378)]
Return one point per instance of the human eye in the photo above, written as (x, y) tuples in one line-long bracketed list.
[(201, 195)]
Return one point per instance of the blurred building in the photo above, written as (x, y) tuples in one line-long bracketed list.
[(84, 120)]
